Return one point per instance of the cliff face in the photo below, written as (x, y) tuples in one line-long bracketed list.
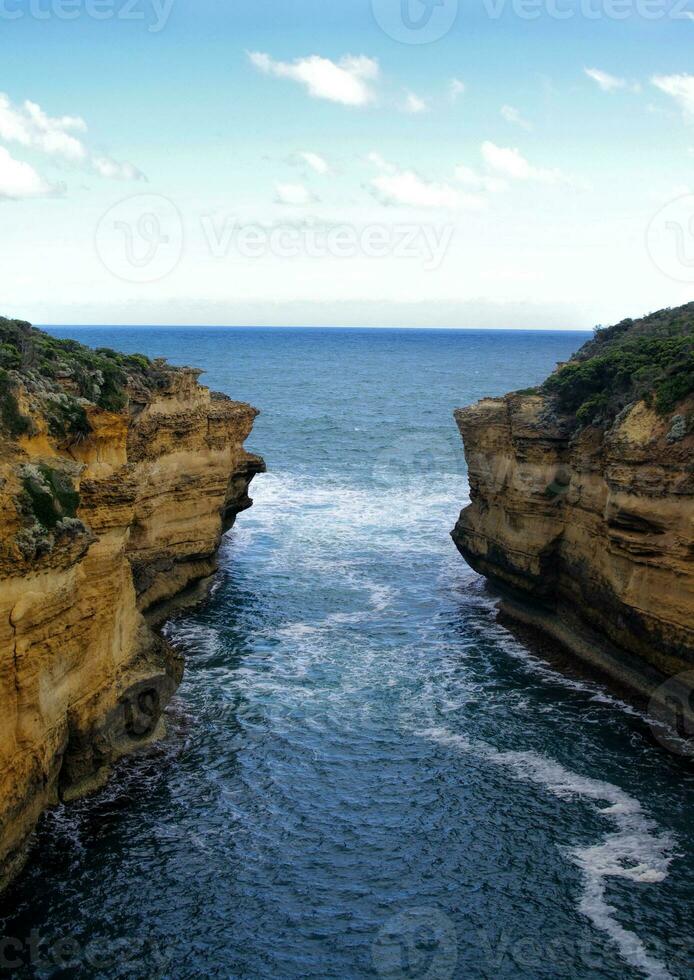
[(101, 521), (588, 523)]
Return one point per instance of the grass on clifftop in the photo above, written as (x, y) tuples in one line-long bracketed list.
[(651, 359), (65, 374)]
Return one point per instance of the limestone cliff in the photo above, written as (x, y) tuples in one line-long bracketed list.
[(118, 477), (582, 499)]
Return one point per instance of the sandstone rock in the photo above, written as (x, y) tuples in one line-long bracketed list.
[(590, 535), (83, 678)]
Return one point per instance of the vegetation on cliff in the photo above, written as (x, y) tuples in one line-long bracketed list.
[(650, 359), (64, 376), (117, 517), (49, 494), (48, 383), (48, 505)]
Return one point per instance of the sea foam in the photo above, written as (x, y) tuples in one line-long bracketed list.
[(636, 851)]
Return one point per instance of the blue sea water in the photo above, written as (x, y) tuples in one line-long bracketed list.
[(366, 775)]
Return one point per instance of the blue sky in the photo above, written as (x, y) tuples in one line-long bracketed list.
[(296, 162)]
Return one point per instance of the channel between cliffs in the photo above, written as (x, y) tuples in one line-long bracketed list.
[(107, 515)]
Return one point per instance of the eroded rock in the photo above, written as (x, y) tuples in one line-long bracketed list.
[(142, 497)]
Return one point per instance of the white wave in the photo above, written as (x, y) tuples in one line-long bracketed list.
[(381, 595), (294, 631), (193, 636), (344, 618), (380, 599), (408, 518), (638, 851)]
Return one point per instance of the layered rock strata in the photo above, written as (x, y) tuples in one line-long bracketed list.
[(98, 528), (588, 528)]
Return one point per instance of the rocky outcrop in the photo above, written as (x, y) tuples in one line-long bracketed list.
[(588, 528), (101, 523)]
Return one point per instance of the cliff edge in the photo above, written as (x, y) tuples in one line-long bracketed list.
[(582, 505), (118, 477)]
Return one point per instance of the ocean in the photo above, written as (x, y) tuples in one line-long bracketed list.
[(365, 774)]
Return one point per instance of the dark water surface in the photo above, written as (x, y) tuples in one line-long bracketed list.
[(366, 776)]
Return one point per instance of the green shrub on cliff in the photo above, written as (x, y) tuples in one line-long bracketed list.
[(11, 419), (66, 417), (49, 496), (650, 359), (100, 376), (10, 358), (65, 374)]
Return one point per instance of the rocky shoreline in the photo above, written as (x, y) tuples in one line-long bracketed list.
[(113, 502), (584, 518)]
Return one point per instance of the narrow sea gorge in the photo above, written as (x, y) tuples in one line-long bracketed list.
[(365, 775)]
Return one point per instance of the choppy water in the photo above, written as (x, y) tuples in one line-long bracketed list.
[(366, 776)]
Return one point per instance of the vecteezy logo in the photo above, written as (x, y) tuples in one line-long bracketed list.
[(671, 709), (670, 239), (418, 944), (415, 21), (418, 460), (140, 239)]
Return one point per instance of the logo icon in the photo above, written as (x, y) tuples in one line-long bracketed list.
[(418, 459), (418, 944), (415, 21), (140, 239), (671, 709), (670, 239)]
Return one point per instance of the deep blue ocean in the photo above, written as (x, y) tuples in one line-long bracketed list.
[(365, 775)]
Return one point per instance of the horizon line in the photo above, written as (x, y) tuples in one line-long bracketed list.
[(270, 326)]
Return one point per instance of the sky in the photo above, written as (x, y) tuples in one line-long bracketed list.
[(486, 163)]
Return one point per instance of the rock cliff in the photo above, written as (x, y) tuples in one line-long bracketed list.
[(582, 499), (118, 477)]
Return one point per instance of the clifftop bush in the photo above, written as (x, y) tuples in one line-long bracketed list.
[(65, 375), (650, 359)]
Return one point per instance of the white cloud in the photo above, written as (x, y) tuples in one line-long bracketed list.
[(348, 81), (513, 115), (296, 195), (607, 82), (106, 167), (377, 160), (405, 187), (482, 182), (455, 89), (315, 161), (20, 180), (509, 162), (414, 104), (29, 126), (680, 88)]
